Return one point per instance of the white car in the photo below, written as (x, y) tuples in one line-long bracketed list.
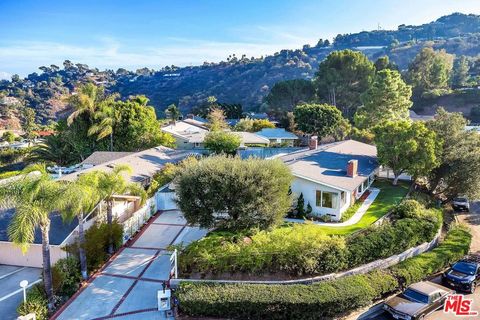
[(461, 204)]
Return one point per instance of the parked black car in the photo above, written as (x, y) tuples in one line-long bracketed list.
[(463, 275)]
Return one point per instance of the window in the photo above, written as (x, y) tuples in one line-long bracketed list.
[(343, 197), (326, 199)]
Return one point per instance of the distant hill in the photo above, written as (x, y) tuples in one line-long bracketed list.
[(239, 79)]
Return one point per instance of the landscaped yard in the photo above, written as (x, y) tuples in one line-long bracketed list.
[(389, 196)]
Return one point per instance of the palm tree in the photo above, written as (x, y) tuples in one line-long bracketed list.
[(173, 112), (35, 195), (104, 127), (113, 183), (79, 198), (85, 101)]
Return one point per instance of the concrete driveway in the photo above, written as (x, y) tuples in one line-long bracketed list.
[(10, 292), (472, 219), (127, 287)]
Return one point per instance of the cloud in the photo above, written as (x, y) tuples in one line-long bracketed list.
[(5, 75), (26, 56)]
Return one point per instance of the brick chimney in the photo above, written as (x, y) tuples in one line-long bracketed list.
[(352, 168), (313, 143)]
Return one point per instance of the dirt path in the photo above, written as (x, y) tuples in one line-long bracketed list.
[(472, 219)]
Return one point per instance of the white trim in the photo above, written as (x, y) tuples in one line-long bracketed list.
[(322, 183)]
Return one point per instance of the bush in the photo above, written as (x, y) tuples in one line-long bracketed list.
[(316, 301), (96, 243), (454, 247), (36, 303), (66, 276), (8, 174), (319, 300)]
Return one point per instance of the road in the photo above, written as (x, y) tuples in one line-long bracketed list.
[(472, 219), (10, 291)]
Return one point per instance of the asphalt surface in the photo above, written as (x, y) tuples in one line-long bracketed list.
[(473, 220), (10, 292)]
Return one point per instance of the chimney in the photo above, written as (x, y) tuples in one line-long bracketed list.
[(313, 143), (352, 167)]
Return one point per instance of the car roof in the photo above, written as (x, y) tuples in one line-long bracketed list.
[(427, 287)]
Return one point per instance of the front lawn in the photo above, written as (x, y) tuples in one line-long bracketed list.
[(389, 196)]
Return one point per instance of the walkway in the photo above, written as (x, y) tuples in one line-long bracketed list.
[(126, 288), (353, 220)]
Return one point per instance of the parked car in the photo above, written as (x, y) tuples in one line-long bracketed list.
[(417, 301), (461, 204), (463, 275)]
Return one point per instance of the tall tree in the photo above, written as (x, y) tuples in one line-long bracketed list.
[(104, 123), (216, 119), (222, 142), (29, 125), (173, 113), (35, 196), (459, 167), (79, 198), (430, 70), (460, 75), (86, 101), (388, 98), (285, 95), (383, 63), (342, 77), (318, 119), (406, 147)]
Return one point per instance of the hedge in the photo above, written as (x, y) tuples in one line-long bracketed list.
[(319, 300)]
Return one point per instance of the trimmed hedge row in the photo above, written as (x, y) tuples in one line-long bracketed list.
[(319, 300)]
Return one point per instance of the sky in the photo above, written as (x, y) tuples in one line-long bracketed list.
[(155, 33)]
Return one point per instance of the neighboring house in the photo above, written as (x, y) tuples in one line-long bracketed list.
[(278, 136), (252, 139), (196, 121), (332, 177), (187, 135), (416, 117), (100, 157)]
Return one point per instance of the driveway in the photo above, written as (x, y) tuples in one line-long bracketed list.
[(127, 287), (472, 219), (10, 292)]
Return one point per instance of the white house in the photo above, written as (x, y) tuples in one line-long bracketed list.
[(333, 176)]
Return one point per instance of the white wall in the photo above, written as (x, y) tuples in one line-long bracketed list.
[(12, 255), (309, 190)]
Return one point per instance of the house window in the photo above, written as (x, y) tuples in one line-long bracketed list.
[(343, 197), (326, 199)]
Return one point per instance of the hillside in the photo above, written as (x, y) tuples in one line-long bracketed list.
[(238, 79)]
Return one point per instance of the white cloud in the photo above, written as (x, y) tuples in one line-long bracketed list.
[(5, 75), (26, 56)]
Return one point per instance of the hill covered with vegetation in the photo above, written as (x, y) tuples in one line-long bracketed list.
[(237, 80)]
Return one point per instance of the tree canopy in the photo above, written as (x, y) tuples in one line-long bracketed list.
[(222, 142), (388, 98), (342, 77), (229, 192), (253, 125), (406, 147), (430, 70), (286, 95), (319, 119), (459, 158)]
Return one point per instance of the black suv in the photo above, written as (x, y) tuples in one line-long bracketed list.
[(463, 275)]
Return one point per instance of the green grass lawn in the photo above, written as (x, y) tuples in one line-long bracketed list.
[(389, 195)]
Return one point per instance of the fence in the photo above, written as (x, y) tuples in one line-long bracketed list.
[(139, 218), (375, 265)]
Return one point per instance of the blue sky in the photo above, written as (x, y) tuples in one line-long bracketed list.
[(138, 33)]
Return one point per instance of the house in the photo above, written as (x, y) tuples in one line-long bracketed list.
[(187, 135), (278, 136), (191, 135), (416, 117), (333, 176)]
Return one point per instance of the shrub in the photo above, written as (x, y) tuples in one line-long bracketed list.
[(36, 303), (454, 247), (316, 301), (300, 249), (408, 208), (232, 193), (319, 300), (96, 243), (8, 174), (66, 276)]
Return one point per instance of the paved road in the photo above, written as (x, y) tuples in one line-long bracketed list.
[(10, 292), (472, 219), (127, 287)]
